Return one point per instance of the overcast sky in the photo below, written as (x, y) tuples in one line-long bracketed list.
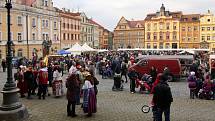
[(108, 12)]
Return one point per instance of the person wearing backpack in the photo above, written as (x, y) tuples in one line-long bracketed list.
[(192, 84)]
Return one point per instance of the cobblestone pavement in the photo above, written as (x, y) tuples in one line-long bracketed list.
[(120, 106)]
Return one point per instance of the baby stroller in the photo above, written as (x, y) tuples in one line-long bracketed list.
[(206, 92), (145, 83), (117, 86)]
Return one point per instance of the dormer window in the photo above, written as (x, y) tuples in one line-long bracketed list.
[(46, 3)]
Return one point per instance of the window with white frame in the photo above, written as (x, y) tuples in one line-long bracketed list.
[(208, 37), (55, 37), (47, 23), (19, 53), (188, 39), (189, 29), (19, 20), (183, 38), (55, 25), (46, 3), (174, 26), (33, 36), (44, 37), (47, 36), (33, 22), (203, 38), (19, 37), (148, 46), (43, 23)]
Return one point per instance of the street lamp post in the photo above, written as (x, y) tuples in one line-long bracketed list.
[(11, 108)]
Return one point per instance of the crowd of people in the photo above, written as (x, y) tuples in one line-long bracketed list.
[(45, 79), (34, 79)]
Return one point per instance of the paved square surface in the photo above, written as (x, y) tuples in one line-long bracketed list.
[(120, 106)]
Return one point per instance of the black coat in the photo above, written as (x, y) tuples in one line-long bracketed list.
[(29, 78), (162, 95)]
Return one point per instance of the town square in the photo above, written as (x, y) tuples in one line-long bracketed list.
[(124, 60)]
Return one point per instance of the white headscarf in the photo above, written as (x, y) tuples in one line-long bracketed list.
[(87, 85), (192, 73)]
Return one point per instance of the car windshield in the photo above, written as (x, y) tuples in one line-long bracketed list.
[(142, 62)]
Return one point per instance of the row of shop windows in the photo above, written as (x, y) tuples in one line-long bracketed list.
[(161, 46), (72, 37), (19, 53)]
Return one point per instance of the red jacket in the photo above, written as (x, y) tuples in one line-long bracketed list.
[(43, 77)]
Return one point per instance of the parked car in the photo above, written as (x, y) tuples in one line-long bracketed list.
[(15, 62), (144, 66)]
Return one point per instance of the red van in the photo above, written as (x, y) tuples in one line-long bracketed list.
[(144, 66)]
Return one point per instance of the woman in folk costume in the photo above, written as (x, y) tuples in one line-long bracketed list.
[(89, 96), (21, 84), (72, 89), (42, 82), (57, 85)]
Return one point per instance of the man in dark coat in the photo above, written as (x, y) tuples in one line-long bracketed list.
[(72, 89), (162, 99), (153, 73), (29, 78), (132, 76), (3, 64)]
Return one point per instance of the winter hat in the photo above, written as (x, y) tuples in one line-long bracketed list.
[(192, 73)]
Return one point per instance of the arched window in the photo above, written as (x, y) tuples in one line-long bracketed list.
[(19, 53)]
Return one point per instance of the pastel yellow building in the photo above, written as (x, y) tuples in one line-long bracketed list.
[(129, 34), (207, 31), (32, 22), (190, 31), (162, 29)]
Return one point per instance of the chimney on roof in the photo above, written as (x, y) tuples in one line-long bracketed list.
[(68, 10), (209, 11), (64, 9)]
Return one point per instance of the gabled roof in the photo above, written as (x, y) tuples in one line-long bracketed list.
[(132, 23)]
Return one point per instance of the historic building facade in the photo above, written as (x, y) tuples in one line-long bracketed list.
[(207, 31), (70, 28), (129, 34), (190, 31), (32, 23), (162, 29), (104, 40), (86, 31)]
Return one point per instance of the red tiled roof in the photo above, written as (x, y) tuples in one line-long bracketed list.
[(133, 24), (26, 2), (93, 22), (190, 18)]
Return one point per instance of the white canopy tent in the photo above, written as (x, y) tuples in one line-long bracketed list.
[(85, 47), (102, 50), (76, 49)]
